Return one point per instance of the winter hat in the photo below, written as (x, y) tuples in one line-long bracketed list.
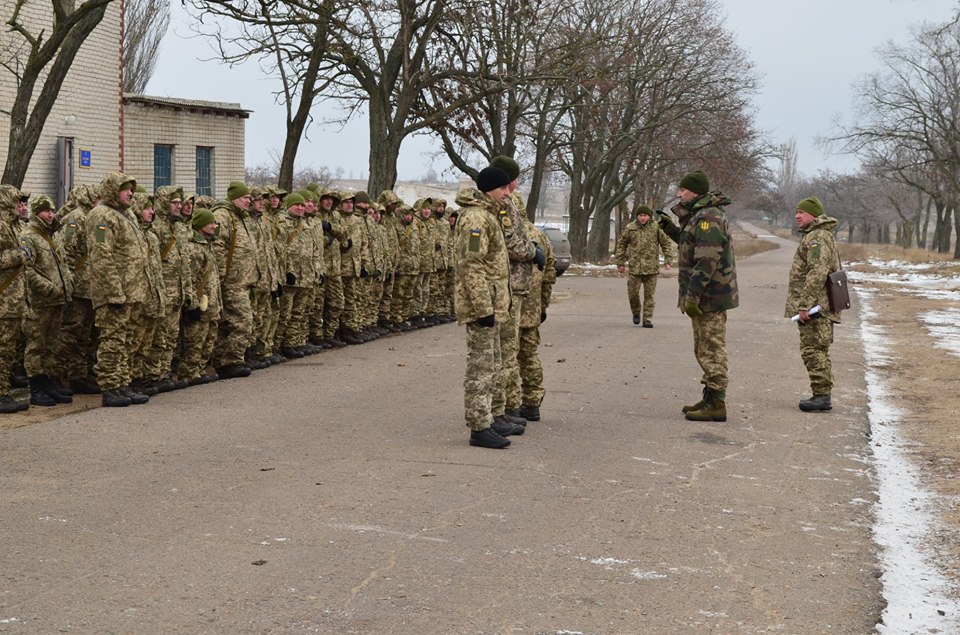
[(811, 206), (361, 197), (293, 199), (506, 164), (642, 209), (41, 203), (201, 218), (236, 189), (491, 178), (696, 181)]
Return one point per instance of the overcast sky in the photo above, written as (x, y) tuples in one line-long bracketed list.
[(808, 53)]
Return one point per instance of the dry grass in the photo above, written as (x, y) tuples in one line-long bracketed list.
[(862, 252)]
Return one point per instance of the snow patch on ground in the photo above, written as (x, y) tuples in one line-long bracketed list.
[(915, 590), (944, 326)]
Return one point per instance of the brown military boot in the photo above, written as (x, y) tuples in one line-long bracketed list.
[(715, 408), (699, 404)]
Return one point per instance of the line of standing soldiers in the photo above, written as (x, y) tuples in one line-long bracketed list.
[(128, 295)]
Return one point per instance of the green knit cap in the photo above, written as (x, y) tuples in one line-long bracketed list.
[(642, 209), (201, 218), (293, 199), (696, 181), (811, 206), (508, 165), (236, 189)]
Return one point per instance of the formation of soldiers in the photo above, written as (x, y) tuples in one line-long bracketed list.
[(128, 294)]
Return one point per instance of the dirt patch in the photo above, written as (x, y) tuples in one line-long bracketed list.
[(38, 414)]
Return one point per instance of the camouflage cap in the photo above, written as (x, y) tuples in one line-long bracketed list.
[(9, 197), (361, 197), (346, 195), (42, 203)]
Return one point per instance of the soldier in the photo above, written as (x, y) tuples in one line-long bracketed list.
[(816, 258), (303, 263), (13, 257), (146, 365), (389, 202), (533, 312), (236, 249), (407, 269), (353, 255), (452, 216), (421, 293), (200, 322), (118, 255), (19, 378), (273, 218), (265, 297), (313, 224), (640, 244), (372, 262), (483, 299), (440, 230), (336, 235), (78, 340), (708, 285)]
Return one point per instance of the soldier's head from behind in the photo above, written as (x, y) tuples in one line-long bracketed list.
[(808, 210), (495, 183), (296, 205), (239, 194), (692, 186), (643, 214), (42, 208), (203, 222), (389, 200)]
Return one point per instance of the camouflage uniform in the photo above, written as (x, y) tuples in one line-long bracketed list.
[(332, 303), (815, 258), (118, 256), (200, 336), (533, 311), (421, 293), (372, 285), (707, 278), (353, 255), (389, 201), (235, 246), (265, 297), (146, 363), (303, 268), (439, 230), (12, 294), (482, 289), (640, 246), (407, 268), (273, 219)]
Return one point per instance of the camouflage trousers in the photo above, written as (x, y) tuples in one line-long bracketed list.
[(372, 292), (199, 338), (352, 303), (438, 302), (404, 287), (480, 379), (145, 360), (10, 329), (314, 314), (451, 294), (116, 348), (421, 293), (78, 341), (235, 327), (531, 370), (166, 341), (710, 348), (816, 336), (266, 313), (508, 382), (295, 306), (42, 328), (386, 298), (649, 284), (333, 305)]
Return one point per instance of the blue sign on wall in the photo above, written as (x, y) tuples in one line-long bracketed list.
[(86, 158)]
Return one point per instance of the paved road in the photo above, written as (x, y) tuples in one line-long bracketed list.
[(337, 494)]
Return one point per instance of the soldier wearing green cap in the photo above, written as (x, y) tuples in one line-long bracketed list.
[(708, 285), (303, 265), (200, 322), (816, 258), (13, 258), (640, 244), (265, 297), (353, 256), (328, 307), (146, 368), (389, 202)]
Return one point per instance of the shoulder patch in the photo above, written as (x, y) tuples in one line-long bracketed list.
[(474, 244), (505, 218), (704, 225), (100, 233)]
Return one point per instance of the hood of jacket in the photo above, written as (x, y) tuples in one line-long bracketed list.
[(110, 188), (822, 222), (472, 197)]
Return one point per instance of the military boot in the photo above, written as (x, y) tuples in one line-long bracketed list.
[(38, 392), (114, 399), (135, 397), (700, 404), (715, 408), (530, 413), (8, 405), (504, 427), (488, 438), (54, 390), (817, 403)]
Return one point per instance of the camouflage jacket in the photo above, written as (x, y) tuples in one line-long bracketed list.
[(331, 246), (816, 257), (304, 248), (166, 227), (541, 282), (72, 237), (408, 248), (482, 269), (267, 261), (235, 246), (118, 251), (12, 257), (374, 261), (48, 279), (155, 303), (353, 255), (437, 237), (391, 244), (519, 246), (708, 269), (640, 246), (205, 276), (424, 242)]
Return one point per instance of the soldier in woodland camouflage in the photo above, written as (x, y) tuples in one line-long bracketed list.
[(336, 233), (640, 244), (422, 209), (303, 267), (146, 364), (265, 296), (13, 257), (816, 258), (389, 222), (200, 322), (708, 285), (533, 312), (118, 256), (407, 268), (353, 255)]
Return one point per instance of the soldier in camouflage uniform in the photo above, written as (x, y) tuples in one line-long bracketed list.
[(816, 258), (483, 300), (407, 268), (378, 274), (336, 235), (422, 209), (118, 256), (19, 378), (13, 257), (533, 312), (77, 333), (389, 202), (200, 322), (273, 218), (302, 266), (370, 262), (236, 248), (146, 364), (438, 289), (49, 286), (265, 296), (708, 285), (640, 244), (353, 255)]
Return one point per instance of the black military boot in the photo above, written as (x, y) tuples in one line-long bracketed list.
[(135, 397), (114, 399), (647, 324), (488, 438), (38, 392), (530, 413), (817, 403), (513, 416), (505, 428), (54, 390), (636, 318), (9, 405), (233, 371), (85, 386)]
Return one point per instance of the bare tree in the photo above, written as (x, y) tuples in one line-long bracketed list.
[(42, 57), (145, 22)]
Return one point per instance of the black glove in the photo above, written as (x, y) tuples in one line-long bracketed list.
[(543, 317), (192, 315), (327, 227), (663, 220), (539, 259), (115, 305), (487, 321), (436, 246), (349, 245), (320, 279), (363, 272), (291, 279)]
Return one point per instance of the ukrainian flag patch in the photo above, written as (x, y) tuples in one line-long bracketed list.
[(474, 244), (100, 233)]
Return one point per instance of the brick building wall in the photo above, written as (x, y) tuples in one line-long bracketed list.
[(87, 108)]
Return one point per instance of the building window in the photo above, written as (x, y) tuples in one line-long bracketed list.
[(204, 171), (162, 165)]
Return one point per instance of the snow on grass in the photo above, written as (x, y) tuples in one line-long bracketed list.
[(944, 326), (919, 597)]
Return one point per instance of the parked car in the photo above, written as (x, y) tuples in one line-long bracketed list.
[(561, 248)]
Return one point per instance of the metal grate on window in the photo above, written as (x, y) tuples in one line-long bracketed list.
[(204, 171)]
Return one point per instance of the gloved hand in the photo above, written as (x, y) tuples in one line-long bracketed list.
[(349, 243), (692, 308), (363, 272), (436, 246), (389, 276), (487, 321), (291, 279), (192, 315), (539, 259), (27, 252), (115, 305), (543, 317), (664, 221), (327, 227), (321, 279)]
